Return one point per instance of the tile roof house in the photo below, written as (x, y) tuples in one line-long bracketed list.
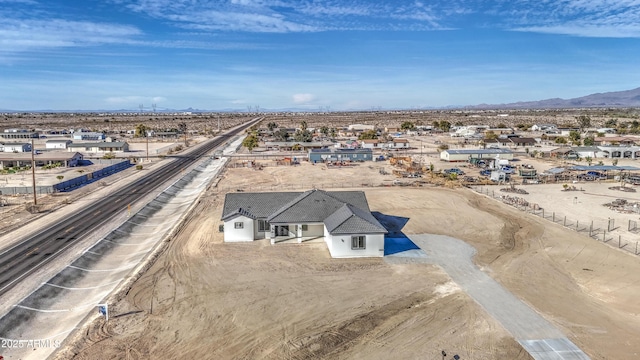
[(342, 218)]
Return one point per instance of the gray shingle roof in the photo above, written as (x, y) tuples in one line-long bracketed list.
[(258, 205), (343, 212), (316, 205), (351, 220)]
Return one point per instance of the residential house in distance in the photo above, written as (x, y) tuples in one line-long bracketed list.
[(373, 144), (13, 134), (99, 147), (341, 218), (454, 155), (88, 136), (360, 127), (57, 144), (340, 154), (16, 147), (543, 127), (399, 143), (616, 140), (10, 160)]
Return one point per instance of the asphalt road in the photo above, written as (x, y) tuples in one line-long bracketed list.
[(24, 258)]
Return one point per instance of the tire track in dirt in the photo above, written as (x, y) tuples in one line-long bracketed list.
[(337, 338)]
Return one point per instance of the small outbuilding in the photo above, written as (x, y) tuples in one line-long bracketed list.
[(454, 155), (99, 147), (58, 144), (329, 154)]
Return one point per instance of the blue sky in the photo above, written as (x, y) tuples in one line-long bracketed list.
[(308, 54)]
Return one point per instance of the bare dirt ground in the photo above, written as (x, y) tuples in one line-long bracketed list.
[(206, 299)]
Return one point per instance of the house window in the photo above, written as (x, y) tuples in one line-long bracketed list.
[(305, 227), (358, 243), (238, 225), (263, 225)]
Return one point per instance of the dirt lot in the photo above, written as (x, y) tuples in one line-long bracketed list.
[(206, 299)]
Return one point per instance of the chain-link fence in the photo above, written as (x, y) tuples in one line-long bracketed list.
[(608, 231)]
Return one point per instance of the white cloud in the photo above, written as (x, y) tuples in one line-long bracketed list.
[(616, 19), (303, 98), (19, 35)]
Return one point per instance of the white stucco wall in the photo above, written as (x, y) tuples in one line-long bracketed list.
[(231, 234), (340, 246), (314, 230), (257, 234), (56, 145)]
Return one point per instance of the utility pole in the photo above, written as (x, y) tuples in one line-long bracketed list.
[(33, 174), (146, 134)]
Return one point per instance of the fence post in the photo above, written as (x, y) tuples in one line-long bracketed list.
[(543, 213), (604, 235), (577, 222)]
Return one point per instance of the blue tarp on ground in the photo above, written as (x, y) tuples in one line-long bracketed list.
[(398, 243)]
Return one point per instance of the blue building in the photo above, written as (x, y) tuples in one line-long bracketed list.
[(323, 155)]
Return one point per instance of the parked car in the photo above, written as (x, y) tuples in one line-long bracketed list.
[(591, 176), (597, 175), (507, 169), (485, 172), (454, 171)]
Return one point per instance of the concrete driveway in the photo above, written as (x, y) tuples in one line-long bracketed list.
[(538, 336)]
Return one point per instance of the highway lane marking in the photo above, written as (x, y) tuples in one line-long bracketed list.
[(31, 252), (82, 288), (105, 270), (69, 229)]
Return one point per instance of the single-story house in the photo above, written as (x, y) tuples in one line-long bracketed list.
[(99, 147), (342, 218), (328, 154), (361, 127), (12, 134), (543, 127), (399, 144), (373, 143), (9, 160), (16, 147), (58, 144), (88, 136), (616, 140), (452, 155), (522, 141)]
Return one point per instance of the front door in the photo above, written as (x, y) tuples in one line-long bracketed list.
[(283, 230)]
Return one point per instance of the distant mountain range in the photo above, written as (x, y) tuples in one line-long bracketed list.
[(628, 98)]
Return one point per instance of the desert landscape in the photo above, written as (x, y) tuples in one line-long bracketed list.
[(204, 298)]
